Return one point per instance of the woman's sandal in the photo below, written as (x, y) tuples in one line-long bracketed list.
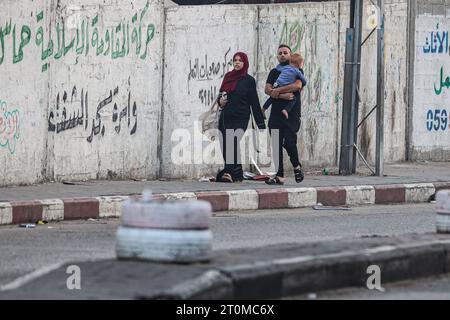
[(274, 180), (299, 175)]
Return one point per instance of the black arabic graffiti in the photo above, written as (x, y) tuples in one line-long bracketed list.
[(207, 96), (78, 118), (208, 71), (75, 119), (125, 113)]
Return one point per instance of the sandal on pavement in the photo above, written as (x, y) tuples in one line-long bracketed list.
[(299, 175), (274, 180), (226, 178)]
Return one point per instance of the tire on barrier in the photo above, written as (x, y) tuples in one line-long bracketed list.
[(443, 223), (179, 215), (443, 201), (163, 245), (443, 211)]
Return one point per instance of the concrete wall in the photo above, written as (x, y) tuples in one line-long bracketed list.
[(312, 29), (395, 103), (202, 41), (83, 86), (430, 112), (23, 94), (199, 46), (119, 83), (107, 89), (317, 30)]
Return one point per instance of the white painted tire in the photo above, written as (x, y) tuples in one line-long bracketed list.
[(443, 202), (163, 245), (443, 211), (443, 223), (176, 215)]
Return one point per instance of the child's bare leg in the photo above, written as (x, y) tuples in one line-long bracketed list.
[(285, 113)]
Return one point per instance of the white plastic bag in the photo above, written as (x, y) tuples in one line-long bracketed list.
[(210, 121)]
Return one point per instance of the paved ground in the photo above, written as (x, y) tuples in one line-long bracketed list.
[(269, 272), (25, 250), (433, 288), (415, 172)]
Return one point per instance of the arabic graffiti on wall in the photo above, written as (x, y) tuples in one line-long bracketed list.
[(438, 119), (441, 83), (127, 37), (62, 119), (291, 34), (303, 38), (208, 73), (435, 51), (9, 127), (436, 42), (208, 95)]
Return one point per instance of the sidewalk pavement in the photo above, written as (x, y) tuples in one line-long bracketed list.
[(257, 273), (403, 182)]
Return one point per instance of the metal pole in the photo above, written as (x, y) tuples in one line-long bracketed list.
[(356, 77), (347, 163), (347, 118), (352, 13), (380, 92)]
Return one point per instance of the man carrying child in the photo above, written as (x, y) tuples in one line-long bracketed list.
[(289, 74)]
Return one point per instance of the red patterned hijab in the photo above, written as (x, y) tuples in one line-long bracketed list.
[(231, 78)]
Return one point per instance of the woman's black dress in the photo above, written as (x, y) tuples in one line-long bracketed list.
[(233, 122)]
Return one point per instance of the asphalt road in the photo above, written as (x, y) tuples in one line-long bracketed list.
[(25, 250), (433, 288)]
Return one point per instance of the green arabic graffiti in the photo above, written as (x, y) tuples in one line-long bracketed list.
[(291, 35), (9, 127), (303, 37), (442, 83), (116, 41)]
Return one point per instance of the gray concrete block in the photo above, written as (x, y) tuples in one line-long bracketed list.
[(211, 285), (425, 8), (324, 274), (253, 281), (410, 263), (439, 9)]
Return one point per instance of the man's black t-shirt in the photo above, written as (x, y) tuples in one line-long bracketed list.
[(276, 119)]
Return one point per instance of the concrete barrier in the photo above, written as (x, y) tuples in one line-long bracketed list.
[(360, 195), (236, 200)]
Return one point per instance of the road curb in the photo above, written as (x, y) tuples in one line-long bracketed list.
[(310, 274), (16, 212)]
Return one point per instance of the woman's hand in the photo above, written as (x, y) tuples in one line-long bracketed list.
[(286, 96)]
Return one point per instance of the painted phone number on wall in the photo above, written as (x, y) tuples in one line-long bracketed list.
[(438, 120)]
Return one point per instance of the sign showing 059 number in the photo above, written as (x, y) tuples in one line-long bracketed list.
[(437, 120)]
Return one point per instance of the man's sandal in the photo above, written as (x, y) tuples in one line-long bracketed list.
[(299, 175)]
